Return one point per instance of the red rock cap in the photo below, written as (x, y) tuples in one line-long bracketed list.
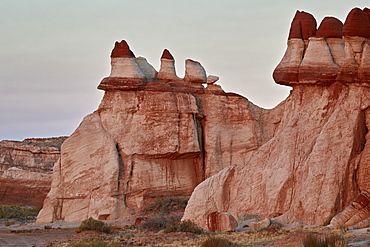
[(303, 26), (357, 23), (367, 11), (167, 55), (121, 49), (330, 27)]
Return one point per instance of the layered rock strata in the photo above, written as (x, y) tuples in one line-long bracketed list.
[(157, 138), (156, 135), (26, 170), (317, 161)]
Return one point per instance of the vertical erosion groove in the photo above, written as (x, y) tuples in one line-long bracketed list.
[(198, 120), (119, 189)]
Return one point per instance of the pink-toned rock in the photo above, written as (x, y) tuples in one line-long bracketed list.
[(330, 27), (212, 79), (149, 72), (167, 71), (260, 225), (303, 26), (299, 175), (286, 73), (357, 24), (26, 170), (355, 213), (364, 68), (194, 72), (298, 163), (348, 72), (125, 71), (221, 222), (336, 47), (327, 57), (318, 65), (158, 141)]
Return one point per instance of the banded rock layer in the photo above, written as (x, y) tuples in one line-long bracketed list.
[(26, 170), (153, 135), (317, 162)]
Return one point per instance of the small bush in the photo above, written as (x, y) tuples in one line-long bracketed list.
[(89, 243), (9, 223), (332, 240), (94, 225), (167, 205), (170, 223), (19, 213), (217, 242), (183, 226)]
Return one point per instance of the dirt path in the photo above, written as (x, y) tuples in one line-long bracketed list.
[(35, 237)]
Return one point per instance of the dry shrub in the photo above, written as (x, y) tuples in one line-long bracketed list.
[(170, 223), (217, 242), (167, 205), (18, 213), (332, 240), (94, 225)]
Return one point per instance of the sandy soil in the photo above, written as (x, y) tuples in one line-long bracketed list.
[(36, 234), (45, 234)]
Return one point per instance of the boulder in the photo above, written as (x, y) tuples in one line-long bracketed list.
[(221, 222), (194, 72)]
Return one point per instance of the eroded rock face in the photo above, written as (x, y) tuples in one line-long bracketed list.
[(161, 139), (26, 170), (334, 52), (317, 161), (299, 163)]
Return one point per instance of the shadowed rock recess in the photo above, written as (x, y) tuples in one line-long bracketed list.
[(155, 134)]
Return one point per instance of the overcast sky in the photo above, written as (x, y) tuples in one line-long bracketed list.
[(53, 54)]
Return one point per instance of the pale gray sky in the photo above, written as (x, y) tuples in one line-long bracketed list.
[(53, 54)]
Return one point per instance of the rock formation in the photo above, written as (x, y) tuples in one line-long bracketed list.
[(26, 170), (153, 135), (317, 161), (156, 135)]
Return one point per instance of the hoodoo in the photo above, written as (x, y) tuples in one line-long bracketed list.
[(317, 162), (157, 135), (153, 135)]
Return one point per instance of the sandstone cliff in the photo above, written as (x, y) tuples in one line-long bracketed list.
[(26, 170), (317, 162), (153, 135)]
